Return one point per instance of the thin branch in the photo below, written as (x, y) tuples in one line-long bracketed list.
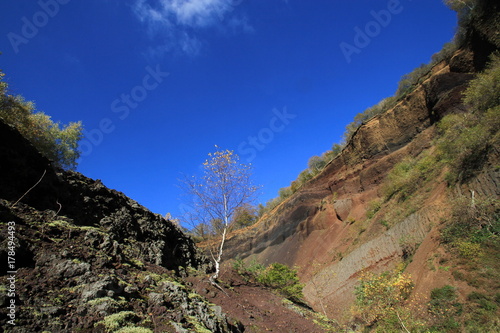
[(38, 182), (215, 284), (401, 322), (60, 207)]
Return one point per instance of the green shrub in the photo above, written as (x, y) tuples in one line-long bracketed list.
[(408, 175), (316, 163), (248, 272), (444, 308), (277, 276), (465, 139), (458, 275), (244, 216), (463, 145), (484, 91), (410, 80), (446, 53), (239, 265), (472, 222), (284, 279), (482, 300), (443, 295), (385, 224), (285, 192), (373, 207), (272, 203), (481, 315), (468, 249)]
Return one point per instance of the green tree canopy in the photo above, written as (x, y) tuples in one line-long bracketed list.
[(57, 143)]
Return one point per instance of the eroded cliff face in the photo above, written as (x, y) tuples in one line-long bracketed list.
[(324, 228)]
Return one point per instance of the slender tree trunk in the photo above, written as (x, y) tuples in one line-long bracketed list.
[(219, 255)]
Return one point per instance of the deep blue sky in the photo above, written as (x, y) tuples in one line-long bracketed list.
[(158, 83)]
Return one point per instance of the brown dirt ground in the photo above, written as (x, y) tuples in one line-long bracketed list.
[(258, 308)]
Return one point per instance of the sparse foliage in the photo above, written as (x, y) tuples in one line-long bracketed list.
[(460, 5), (250, 271), (484, 91), (366, 115), (444, 308), (224, 187), (244, 216), (409, 174), (410, 80), (466, 138), (472, 223), (446, 53), (316, 163)]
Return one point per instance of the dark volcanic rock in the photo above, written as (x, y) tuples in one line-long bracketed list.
[(89, 203), (88, 257)]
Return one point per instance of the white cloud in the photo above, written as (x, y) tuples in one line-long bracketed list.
[(198, 12), (177, 22)]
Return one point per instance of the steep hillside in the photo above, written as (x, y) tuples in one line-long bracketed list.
[(86, 258), (346, 223), (79, 257)]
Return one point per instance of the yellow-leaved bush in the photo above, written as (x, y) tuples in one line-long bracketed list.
[(381, 297)]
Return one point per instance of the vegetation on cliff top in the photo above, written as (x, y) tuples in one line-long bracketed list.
[(57, 144), (467, 11)]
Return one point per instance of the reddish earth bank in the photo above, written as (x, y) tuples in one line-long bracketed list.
[(324, 228)]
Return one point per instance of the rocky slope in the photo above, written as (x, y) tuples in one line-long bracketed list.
[(80, 257), (327, 228), (86, 258)]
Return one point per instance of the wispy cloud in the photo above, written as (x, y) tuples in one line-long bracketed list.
[(177, 23)]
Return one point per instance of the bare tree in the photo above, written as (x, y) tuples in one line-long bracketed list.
[(224, 187)]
